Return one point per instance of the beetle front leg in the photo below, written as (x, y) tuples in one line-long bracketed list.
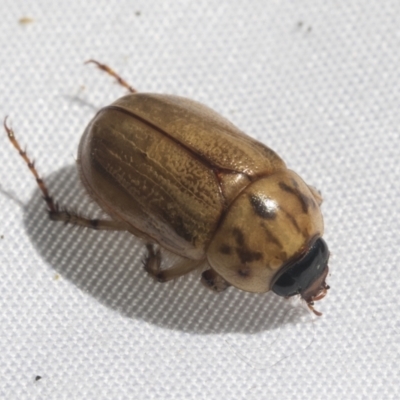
[(152, 265), (211, 280)]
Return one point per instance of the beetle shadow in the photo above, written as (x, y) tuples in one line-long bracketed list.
[(108, 266), (76, 99)]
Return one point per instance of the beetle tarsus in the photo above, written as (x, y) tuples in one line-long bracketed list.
[(31, 165)]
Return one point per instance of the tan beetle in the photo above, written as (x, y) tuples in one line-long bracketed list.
[(176, 174)]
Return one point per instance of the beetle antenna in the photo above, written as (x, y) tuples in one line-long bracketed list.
[(52, 206), (111, 72)]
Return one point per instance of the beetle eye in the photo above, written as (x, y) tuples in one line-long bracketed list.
[(303, 273)]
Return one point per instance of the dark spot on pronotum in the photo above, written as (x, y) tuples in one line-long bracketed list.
[(38, 378), (244, 271), (261, 208), (287, 188), (303, 199), (225, 249), (246, 255), (271, 237), (307, 201), (238, 234), (293, 221)]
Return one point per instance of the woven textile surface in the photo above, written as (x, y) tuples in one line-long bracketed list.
[(318, 82)]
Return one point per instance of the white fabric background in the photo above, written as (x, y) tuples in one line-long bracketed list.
[(319, 82)]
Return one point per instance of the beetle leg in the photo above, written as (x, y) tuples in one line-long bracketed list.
[(211, 280), (97, 224), (317, 194), (53, 207), (54, 210), (152, 265), (111, 72)]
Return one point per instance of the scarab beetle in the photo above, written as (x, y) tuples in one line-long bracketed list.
[(179, 176)]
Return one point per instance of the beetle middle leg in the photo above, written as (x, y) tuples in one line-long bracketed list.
[(54, 210), (111, 72), (152, 265)]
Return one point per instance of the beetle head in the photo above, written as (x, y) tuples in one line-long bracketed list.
[(305, 276)]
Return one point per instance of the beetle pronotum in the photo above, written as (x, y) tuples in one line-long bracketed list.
[(178, 175)]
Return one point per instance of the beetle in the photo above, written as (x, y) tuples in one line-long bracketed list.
[(176, 174)]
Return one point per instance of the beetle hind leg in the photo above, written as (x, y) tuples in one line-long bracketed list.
[(211, 280), (71, 218), (152, 265), (52, 206), (55, 212)]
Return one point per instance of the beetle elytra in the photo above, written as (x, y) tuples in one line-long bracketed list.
[(178, 175)]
